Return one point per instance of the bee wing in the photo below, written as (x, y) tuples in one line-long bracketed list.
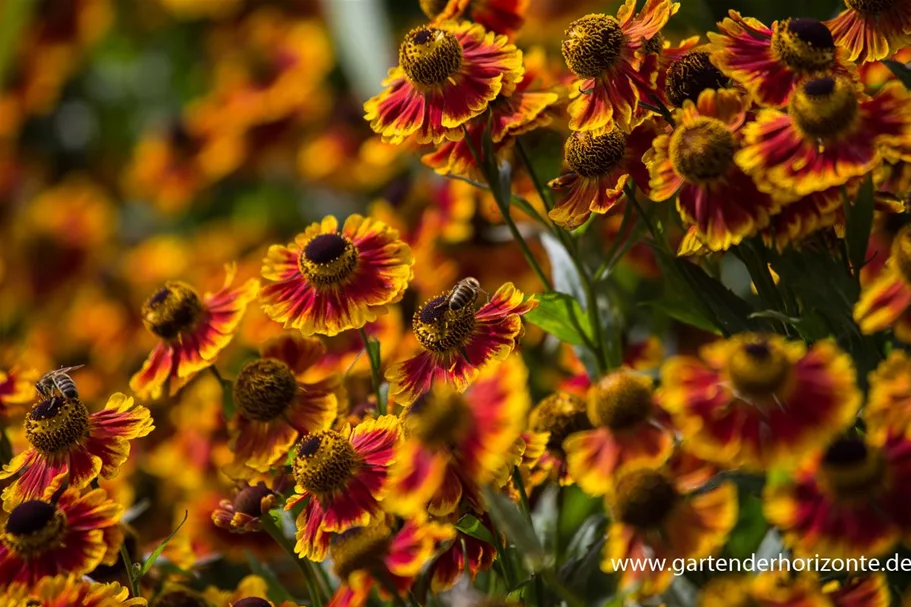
[(67, 369)]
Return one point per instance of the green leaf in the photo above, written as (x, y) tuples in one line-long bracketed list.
[(276, 591), (900, 70), (14, 18), (858, 223), (561, 316), (470, 525), (683, 312), (150, 562), (751, 527), (373, 352), (227, 399), (517, 528)]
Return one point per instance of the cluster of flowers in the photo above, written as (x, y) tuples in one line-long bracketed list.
[(388, 452)]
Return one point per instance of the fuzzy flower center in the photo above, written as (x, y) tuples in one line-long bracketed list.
[(430, 56), (901, 252), (249, 500), (325, 462), (702, 151), (592, 45), (561, 414), (620, 400), (655, 44), (759, 370), (804, 45), (871, 7), (690, 75), (645, 498), (34, 527), (251, 601), (56, 425), (327, 260), (264, 389), (179, 598), (825, 108), (438, 421), (174, 309), (432, 8), (593, 155), (359, 549), (851, 471), (440, 329)]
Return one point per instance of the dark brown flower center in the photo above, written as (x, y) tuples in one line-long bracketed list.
[(325, 462), (592, 45), (851, 471), (690, 75), (174, 309), (438, 420), (327, 260), (825, 108), (359, 549), (430, 55), (180, 598), (593, 155), (251, 601), (264, 389), (655, 44), (34, 527), (871, 7), (561, 414), (441, 329), (249, 500), (57, 424), (645, 498), (702, 151), (804, 45), (759, 370), (620, 400)]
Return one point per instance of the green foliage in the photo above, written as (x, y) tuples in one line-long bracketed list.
[(561, 315)]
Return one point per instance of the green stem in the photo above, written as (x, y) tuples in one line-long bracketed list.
[(503, 206), (523, 496), (539, 186), (653, 230), (386, 582), (616, 246), (374, 371), (128, 565), (272, 529)]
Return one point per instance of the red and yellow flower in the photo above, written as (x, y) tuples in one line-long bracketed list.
[(888, 404), (808, 215), (850, 501), (70, 590), (458, 343), (601, 165), (554, 419), (770, 62), (342, 475), (251, 591), (365, 557), (244, 513), (450, 565), (500, 16), (192, 331), (614, 72), (448, 73), (275, 406), (629, 431), (696, 161), (757, 400), (871, 30), (67, 444), (829, 135), (885, 303), (72, 534), (330, 280), (456, 443), (771, 589), (660, 514)]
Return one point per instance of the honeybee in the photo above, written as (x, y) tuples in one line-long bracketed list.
[(464, 293), (58, 381)]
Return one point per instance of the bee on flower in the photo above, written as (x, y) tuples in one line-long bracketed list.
[(607, 55), (330, 280), (448, 73), (192, 331), (457, 343), (69, 444)]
